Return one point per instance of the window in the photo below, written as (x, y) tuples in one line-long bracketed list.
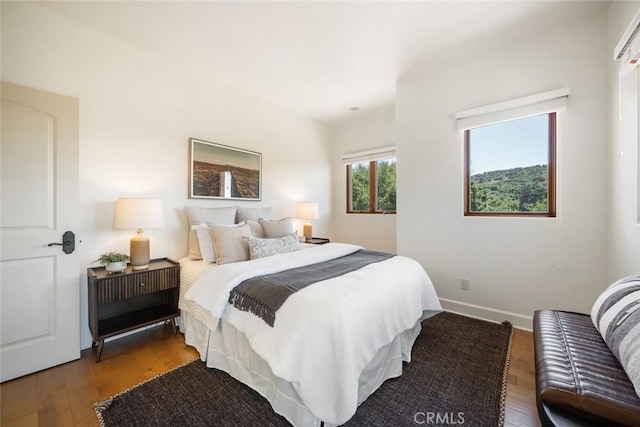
[(371, 186), (510, 168), (510, 155)]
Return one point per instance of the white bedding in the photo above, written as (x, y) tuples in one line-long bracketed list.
[(326, 334)]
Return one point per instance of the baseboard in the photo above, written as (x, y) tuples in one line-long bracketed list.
[(485, 313)]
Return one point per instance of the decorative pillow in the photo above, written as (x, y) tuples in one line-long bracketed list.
[(256, 228), (274, 229), (229, 242), (616, 315), (260, 248), (252, 214), (205, 242), (197, 215)]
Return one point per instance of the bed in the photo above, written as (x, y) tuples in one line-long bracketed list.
[(332, 344)]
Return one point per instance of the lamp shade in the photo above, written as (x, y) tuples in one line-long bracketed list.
[(308, 210), (134, 214)]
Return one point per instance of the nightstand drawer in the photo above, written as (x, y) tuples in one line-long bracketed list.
[(121, 287)]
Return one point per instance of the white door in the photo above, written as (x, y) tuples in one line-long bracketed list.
[(39, 284)]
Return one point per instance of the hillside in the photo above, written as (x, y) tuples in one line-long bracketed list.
[(245, 183), (510, 190)]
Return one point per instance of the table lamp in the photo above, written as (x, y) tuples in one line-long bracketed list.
[(138, 214), (308, 211)]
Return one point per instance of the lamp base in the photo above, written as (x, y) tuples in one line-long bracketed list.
[(307, 231), (139, 251)]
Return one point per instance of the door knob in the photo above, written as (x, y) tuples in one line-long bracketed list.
[(68, 242)]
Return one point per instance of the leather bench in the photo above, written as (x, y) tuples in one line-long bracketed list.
[(578, 379)]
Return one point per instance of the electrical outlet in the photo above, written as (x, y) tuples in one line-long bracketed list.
[(464, 283)]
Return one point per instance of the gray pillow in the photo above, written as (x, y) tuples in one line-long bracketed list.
[(616, 315), (279, 228), (256, 228), (252, 214), (230, 243), (260, 248), (197, 215)]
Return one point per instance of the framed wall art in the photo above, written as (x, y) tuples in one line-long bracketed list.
[(221, 172)]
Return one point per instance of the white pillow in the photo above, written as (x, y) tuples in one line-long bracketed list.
[(279, 228), (252, 214), (197, 215), (260, 248), (229, 242), (205, 242)]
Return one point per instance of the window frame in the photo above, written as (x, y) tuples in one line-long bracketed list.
[(373, 189), (551, 191)]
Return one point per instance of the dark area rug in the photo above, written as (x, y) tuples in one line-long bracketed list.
[(457, 376)]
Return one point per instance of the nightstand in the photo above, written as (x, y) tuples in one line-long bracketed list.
[(129, 300), (319, 241)]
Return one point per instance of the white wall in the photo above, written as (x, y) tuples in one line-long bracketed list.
[(137, 112), (515, 265), (624, 210), (365, 131)]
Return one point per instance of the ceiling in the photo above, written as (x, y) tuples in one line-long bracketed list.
[(318, 58)]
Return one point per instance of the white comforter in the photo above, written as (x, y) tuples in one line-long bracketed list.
[(325, 334)]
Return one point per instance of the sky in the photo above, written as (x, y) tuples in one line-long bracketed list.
[(220, 155), (517, 143)]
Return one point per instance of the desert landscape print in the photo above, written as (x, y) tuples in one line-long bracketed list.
[(224, 172)]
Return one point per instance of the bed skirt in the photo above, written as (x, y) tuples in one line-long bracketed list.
[(227, 349)]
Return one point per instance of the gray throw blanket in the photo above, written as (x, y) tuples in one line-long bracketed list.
[(264, 295)]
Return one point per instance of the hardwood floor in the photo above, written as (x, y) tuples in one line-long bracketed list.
[(64, 395), (520, 409)]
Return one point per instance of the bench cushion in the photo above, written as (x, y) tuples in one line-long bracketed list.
[(616, 315), (577, 373)]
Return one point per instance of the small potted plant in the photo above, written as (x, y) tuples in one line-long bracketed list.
[(114, 262)]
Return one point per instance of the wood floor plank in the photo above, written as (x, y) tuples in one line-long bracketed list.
[(81, 402), (64, 395), (520, 407), (29, 420), (19, 399), (54, 409)]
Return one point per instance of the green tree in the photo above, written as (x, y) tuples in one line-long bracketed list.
[(386, 181), (385, 186), (511, 190), (360, 186)]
